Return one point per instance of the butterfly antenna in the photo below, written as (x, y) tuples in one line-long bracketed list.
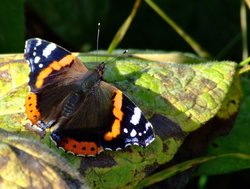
[(101, 67), (97, 41), (116, 58)]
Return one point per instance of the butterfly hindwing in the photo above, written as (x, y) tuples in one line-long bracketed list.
[(130, 126), (107, 119), (84, 130)]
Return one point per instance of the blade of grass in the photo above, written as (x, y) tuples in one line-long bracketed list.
[(248, 3), (124, 28), (243, 21), (171, 171), (202, 182), (232, 43), (194, 44), (244, 66), (244, 62)]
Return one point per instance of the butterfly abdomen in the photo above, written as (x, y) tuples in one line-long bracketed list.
[(84, 87), (71, 104)]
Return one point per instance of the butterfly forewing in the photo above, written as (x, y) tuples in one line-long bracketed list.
[(53, 70), (48, 61)]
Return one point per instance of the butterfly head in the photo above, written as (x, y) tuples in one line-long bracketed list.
[(100, 69)]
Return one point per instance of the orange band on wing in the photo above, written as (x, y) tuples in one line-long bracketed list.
[(42, 75), (80, 148), (65, 61), (116, 126), (31, 109), (117, 101), (54, 66)]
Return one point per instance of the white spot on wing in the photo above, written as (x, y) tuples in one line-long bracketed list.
[(100, 151), (25, 48), (117, 149), (39, 42), (80, 155), (149, 140), (125, 130), (53, 141), (135, 143), (34, 53), (108, 149), (69, 152), (47, 51), (37, 59), (148, 125), (128, 144), (133, 133), (136, 117), (40, 65), (62, 148)]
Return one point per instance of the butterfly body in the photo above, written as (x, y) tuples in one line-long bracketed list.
[(89, 114)]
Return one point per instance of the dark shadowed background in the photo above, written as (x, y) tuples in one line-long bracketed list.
[(215, 25)]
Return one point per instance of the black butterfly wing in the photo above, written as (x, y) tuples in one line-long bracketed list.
[(105, 119), (53, 71)]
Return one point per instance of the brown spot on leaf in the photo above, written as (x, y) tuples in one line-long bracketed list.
[(209, 84), (5, 76)]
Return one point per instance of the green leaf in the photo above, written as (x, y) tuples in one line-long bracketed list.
[(186, 95), (181, 167), (176, 57), (164, 88), (236, 142), (26, 163)]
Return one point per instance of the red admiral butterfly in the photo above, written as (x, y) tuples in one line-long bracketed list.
[(89, 114)]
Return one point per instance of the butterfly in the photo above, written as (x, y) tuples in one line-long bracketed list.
[(89, 115)]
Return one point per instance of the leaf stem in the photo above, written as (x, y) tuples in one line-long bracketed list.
[(171, 171)]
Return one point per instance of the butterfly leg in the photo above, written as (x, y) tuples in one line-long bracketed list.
[(45, 126), (68, 110)]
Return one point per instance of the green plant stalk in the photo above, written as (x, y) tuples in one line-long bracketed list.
[(248, 3), (226, 49), (171, 171), (124, 28), (202, 182), (243, 21), (244, 62), (195, 45)]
